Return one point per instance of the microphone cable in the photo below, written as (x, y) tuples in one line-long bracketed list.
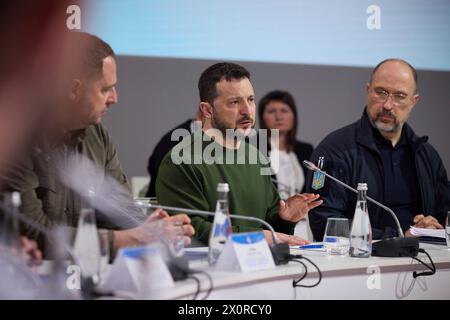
[(197, 291), (295, 283), (191, 275), (305, 274), (432, 268)]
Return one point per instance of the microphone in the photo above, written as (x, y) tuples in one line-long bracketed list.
[(280, 251), (392, 247), (311, 166)]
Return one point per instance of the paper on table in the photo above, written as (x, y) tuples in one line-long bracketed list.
[(422, 232)]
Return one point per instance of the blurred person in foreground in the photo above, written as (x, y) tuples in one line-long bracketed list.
[(87, 92), (31, 65)]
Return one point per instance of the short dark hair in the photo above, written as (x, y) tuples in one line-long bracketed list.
[(214, 74), (413, 71), (89, 52), (287, 98)]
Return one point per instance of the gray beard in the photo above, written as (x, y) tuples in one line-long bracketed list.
[(389, 128)]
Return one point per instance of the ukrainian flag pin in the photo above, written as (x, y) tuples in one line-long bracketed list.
[(318, 178)]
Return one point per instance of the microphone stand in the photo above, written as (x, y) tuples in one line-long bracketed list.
[(280, 251), (391, 247)]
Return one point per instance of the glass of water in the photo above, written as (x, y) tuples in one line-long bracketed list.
[(336, 239), (170, 234), (176, 237), (447, 230)]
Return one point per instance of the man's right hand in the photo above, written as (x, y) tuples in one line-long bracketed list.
[(285, 238), (427, 222), (297, 206), (146, 232)]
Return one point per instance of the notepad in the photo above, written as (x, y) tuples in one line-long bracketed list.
[(422, 232)]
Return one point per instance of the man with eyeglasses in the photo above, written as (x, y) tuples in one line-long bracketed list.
[(402, 170)]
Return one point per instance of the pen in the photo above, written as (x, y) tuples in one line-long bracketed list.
[(311, 246)]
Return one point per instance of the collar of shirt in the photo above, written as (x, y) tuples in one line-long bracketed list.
[(381, 141)]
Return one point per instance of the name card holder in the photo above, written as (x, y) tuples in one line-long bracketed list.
[(140, 271), (246, 252)]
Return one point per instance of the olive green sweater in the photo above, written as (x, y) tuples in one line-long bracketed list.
[(194, 185), (46, 200)]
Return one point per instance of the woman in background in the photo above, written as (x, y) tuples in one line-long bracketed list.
[(277, 110)]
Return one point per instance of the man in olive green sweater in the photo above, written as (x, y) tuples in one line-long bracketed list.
[(76, 129), (189, 174)]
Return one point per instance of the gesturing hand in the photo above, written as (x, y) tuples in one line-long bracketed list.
[(297, 207)]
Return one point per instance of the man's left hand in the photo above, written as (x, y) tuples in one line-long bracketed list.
[(31, 252), (297, 207)]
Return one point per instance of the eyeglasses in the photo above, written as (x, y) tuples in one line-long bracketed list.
[(398, 99)]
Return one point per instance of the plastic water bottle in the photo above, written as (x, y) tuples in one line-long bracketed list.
[(361, 232), (221, 227)]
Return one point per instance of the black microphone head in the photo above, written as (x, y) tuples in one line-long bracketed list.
[(309, 165), (280, 253), (396, 247)]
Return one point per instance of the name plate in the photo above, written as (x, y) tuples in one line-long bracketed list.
[(140, 271), (246, 252)]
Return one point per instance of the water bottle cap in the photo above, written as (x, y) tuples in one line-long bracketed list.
[(16, 199), (362, 186), (223, 187)]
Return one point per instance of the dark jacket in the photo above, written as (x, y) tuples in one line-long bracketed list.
[(303, 151), (351, 155), (162, 148)]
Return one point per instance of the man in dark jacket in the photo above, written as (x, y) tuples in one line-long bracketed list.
[(167, 142), (402, 170)]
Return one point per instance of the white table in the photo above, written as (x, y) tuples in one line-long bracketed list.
[(343, 278)]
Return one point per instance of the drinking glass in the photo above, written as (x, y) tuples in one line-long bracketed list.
[(336, 239)]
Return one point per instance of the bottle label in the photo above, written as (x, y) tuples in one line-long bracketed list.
[(219, 234), (222, 228)]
